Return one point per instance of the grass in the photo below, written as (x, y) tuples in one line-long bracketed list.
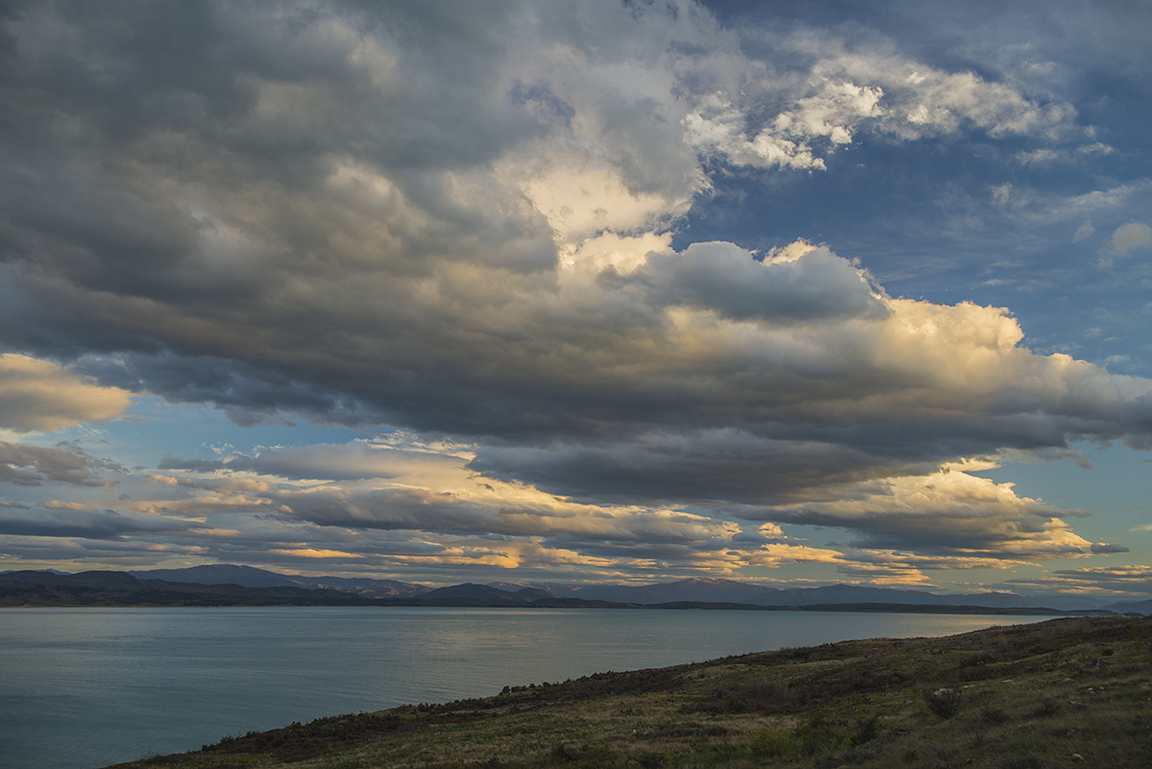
[(1053, 694)]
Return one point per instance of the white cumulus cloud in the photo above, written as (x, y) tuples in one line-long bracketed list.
[(1131, 237)]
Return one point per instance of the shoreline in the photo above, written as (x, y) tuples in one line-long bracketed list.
[(1035, 695)]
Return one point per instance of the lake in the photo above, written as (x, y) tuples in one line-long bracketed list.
[(83, 688)]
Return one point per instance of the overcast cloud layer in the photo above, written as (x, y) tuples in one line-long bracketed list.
[(469, 230)]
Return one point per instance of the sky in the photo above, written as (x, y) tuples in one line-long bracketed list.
[(787, 293)]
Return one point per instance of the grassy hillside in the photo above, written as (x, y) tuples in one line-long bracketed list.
[(1054, 694)]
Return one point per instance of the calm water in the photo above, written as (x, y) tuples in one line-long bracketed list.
[(82, 688)]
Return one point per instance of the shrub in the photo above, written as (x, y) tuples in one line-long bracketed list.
[(651, 760), (943, 702), (975, 660), (866, 730), (771, 742), (992, 716), (815, 734), (563, 754), (815, 719)]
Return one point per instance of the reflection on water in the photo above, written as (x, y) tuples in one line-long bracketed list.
[(82, 688)]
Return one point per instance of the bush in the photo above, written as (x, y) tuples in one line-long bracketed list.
[(771, 742), (866, 730), (943, 702), (651, 760), (992, 716)]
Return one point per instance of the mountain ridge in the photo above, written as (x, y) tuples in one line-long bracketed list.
[(250, 576), (693, 590), (120, 589)]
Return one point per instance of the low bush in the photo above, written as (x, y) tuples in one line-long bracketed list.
[(771, 742), (991, 716), (1047, 707), (866, 730), (943, 702)]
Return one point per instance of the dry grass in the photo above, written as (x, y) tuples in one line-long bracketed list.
[(1028, 697)]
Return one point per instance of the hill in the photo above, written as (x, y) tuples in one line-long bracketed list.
[(695, 590), (731, 591), (114, 588), (248, 576), (1052, 694), (711, 592)]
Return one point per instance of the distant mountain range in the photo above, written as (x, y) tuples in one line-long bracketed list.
[(726, 590), (248, 576), (226, 580), (116, 588), (1134, 607)]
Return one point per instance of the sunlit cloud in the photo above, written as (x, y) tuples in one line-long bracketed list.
[(1120, 579), (481, 251), (41, 395)]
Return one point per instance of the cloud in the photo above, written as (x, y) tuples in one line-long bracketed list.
[(1084, 231), (1039, 206), (901, 525), (346, 462), (403, 506), (1045, 156), (400, 524), (383, 488), (60, 521), (1131, 237), (40, 395), (767, 408), (719, 277), (830, 91), (1121, 579), (321, 289), (170, 462), (949, 513), (24, 465), (462, 224)]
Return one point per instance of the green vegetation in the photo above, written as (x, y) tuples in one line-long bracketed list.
[(1053, 694)]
